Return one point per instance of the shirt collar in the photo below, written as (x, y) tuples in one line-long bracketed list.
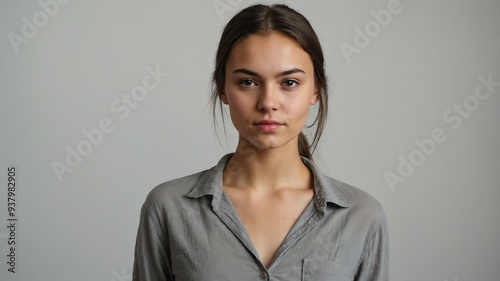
[(325, 190)]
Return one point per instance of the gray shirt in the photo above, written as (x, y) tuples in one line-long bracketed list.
[(189, 230)]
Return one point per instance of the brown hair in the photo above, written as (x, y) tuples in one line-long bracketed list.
[(263, 19)]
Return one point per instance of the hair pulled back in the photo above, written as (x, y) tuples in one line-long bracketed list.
[(261, 20)]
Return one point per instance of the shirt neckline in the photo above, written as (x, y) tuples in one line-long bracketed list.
[(325, 190)]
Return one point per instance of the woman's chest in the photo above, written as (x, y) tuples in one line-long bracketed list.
[(216, 244)]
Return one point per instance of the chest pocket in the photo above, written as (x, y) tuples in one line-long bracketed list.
[(314, 270)]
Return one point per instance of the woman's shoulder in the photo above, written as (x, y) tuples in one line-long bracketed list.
[(176, 192), (357, 199), (353, 199), (174, 189)]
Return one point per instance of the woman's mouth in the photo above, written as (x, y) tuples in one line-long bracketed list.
[(268, 125)]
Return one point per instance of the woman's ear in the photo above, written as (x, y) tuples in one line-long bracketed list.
[(223, 97), (315, 97)]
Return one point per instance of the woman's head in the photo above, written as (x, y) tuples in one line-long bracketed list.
[(273, 25)]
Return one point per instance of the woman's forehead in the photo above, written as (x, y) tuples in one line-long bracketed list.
[(271, 53)]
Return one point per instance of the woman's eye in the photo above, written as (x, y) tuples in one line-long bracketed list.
[(290, 83), (247, 83)]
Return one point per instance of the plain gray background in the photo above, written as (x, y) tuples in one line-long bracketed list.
[(406, 81)]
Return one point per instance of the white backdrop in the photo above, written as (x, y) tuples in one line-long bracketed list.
[(100, 98)]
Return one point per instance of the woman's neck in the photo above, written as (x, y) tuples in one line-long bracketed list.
[(266, 170)]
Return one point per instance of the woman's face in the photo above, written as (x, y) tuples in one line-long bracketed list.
[(269, 79)]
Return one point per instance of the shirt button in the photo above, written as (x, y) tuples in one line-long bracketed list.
[(263, 275)]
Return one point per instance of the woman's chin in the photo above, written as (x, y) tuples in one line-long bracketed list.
[(263, 144)]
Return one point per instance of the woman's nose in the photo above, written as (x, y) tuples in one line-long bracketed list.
[(268, 98)]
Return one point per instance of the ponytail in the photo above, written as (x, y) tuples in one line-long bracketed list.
[(304, 147)]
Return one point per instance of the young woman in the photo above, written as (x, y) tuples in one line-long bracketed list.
[(264, 212)]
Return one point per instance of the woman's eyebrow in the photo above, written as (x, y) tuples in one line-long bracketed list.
[(288, 72), (247, 71), (255, 74)]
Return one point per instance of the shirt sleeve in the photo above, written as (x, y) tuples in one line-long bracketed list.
[(374, 265), (152, 253)]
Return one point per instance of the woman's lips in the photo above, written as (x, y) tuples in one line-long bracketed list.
[(268, 125)]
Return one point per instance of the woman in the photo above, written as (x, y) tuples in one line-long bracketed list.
[(265, 211)]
